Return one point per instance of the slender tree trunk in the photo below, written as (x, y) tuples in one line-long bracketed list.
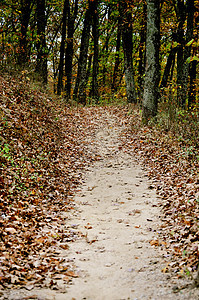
[(183, 11), (152, 75), (192, 85), (41, 64), (69, 49), (95, 33), (105, 56), (142, 52), (117, 56), (62, 48), (128, 49), (187, 49), (80, 86), (23, 57), (168, 67), (104, 51)]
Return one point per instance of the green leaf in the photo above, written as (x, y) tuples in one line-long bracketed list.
[(192, 58), (195, 58), (190, 43)]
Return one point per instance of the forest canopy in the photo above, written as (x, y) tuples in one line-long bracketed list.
[(95, 51)]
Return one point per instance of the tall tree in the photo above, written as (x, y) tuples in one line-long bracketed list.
[(142, 50), (62, 48), (117, 56), (81, 80), (25, 7), (95, 33), (41, 64), (168, 67), (185, 14), (72, 14), (152, 73), (127, 42)]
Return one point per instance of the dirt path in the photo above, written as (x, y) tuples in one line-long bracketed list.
[(118, 216)]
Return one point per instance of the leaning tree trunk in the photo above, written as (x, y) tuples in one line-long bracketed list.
[(127, 43), (41, 64), (152, 74), (168, 67)]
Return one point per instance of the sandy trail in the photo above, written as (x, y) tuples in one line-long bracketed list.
[(119, 215), (117, 212)]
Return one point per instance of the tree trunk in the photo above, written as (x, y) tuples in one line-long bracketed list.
[(69, 49), (23, 57), (152, 75), (104, 51), (80, 86), (117, 56), (142, 52), (41, 64), (192, 84), (183, 11), (95, 33), (62, 49), (168, 67), (127, 43), (187, 50)]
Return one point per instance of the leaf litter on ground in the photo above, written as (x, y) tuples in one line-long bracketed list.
[(44, 153)]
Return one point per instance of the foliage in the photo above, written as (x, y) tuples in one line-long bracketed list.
[(172, 163), (42, 155)]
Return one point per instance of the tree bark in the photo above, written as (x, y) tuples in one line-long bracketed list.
[(41, 64), (95, 33), (127, 43), (117, 56), (152, 74), (62, 49), (187, 50), (23, 57), (72, 14), (183, 12), (192, 84), (80, 86), (168, 67), (142, 52)]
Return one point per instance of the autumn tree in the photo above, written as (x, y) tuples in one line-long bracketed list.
[(62, 48), (69, 52), (41, 63), (152, 73), (80, 85), (95, 34), (114, 85), (25, 8), (126, 14), (184, 13)]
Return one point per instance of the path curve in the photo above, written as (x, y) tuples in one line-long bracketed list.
[(116, 219)]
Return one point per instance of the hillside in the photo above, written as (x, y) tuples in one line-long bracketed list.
[(45, 151)]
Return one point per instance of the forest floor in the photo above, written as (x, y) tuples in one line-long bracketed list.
[(94, 205), (116, 219)]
